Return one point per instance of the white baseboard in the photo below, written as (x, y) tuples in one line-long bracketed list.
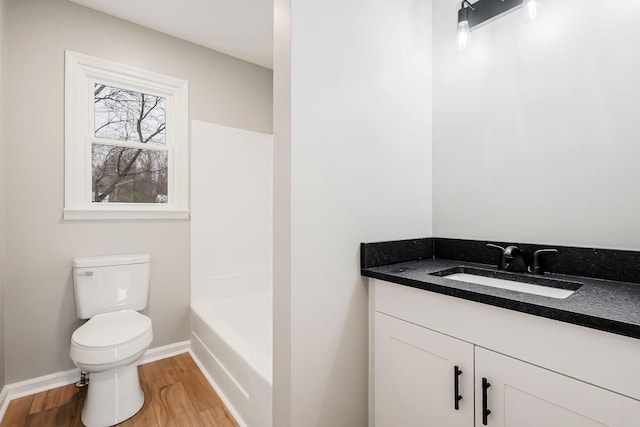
[(59, 379), (4, 402), (165, 351), (36, 385)]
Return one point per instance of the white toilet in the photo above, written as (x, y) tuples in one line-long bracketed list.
[(109, 291)]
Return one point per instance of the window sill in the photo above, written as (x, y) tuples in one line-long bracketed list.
[(130, 214)]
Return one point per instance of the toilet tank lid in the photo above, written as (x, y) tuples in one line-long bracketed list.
[(103, 261)]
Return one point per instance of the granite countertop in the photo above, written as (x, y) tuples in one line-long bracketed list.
[(606, 305)]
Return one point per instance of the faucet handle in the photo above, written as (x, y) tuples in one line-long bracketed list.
[(503, 262), (491, 245), (535, 266)]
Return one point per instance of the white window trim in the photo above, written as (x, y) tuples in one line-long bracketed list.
[(80, 71)]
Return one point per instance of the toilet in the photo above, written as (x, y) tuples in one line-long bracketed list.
[(109, 291)]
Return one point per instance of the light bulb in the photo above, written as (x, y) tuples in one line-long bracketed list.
[(463, 34), (532, 9)]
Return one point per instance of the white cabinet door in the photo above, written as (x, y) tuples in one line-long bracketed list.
[(415, 376), (524, 395)]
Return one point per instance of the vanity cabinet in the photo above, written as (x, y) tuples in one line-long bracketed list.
[(415, 376), (524, 395), (420, 365)]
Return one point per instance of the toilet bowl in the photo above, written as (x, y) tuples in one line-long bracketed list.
[(108, 347), (109, 291)]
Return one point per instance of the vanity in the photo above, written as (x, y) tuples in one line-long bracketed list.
[(447, 352)]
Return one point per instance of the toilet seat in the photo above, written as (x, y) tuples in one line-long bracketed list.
[(111, 337)]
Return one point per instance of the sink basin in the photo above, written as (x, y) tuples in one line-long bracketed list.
[(519, 282)]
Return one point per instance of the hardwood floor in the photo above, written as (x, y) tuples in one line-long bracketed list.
[(176, 394)]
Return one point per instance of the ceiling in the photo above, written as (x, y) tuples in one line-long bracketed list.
[(240, 28)]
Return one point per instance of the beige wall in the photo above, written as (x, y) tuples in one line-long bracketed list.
[(40, 314), (282, 397), (2, 193)]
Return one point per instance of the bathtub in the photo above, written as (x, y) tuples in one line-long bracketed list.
[(232, 340)]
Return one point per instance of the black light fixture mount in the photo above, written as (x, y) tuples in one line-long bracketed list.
[(463, 13), (485, 10)]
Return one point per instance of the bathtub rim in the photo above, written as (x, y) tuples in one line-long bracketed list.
[(267, 358)]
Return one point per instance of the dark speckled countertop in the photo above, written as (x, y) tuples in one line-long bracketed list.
[(607, 305)]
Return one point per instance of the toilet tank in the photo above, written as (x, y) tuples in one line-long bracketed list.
[(109, 283)]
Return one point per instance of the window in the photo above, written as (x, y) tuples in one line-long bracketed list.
[(126, 142)]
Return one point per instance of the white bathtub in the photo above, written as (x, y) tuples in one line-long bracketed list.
[(232, 339)]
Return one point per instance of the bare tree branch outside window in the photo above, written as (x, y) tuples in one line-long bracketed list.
[(123, 174)]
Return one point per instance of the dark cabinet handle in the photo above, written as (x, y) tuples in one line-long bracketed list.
[(485, 409), (456, 388)]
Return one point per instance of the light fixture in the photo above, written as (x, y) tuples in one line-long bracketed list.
[(463, 25), (532, 9), (482, 11)]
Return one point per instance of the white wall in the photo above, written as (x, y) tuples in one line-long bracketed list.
[(231, 212), (535, 134), (352, 165), (39, 312)]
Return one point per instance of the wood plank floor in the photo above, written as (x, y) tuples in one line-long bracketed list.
[(176, 394)]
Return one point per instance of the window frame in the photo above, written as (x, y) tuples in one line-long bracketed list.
[(81, 74)]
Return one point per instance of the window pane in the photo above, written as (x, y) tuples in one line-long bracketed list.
[(127, 115), (128, 175)]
